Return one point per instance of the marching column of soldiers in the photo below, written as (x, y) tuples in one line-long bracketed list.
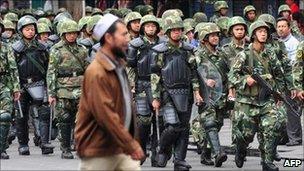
[(186, 75)]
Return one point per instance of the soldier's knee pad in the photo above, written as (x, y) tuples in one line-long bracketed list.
[(144, 120), (210, 125), (170, 115), (5, 117), (44, 113), (142, 106)]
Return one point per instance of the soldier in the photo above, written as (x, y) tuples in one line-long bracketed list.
[(64, 77), (139, 59), (212, 117), (200, 17), (49, 14), (59, 17), (9, 83), (32, 59), (82, 24), (132, 21), (12, 17), (189, 25), (222, 23), (298, 71), (255, 113), (249, 14), (88, 11), (44, 32), (221, 10), (9, 36), (172, 83), (147, 9)]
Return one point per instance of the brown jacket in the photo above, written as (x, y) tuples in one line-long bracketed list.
[(100, 127)]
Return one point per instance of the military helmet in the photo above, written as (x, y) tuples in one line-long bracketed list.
[(172, 22), (146, 10), (124, 12), (146, 19), (92, 21), (236, 20), (49, 13), (268, 19), (11, 16), (43, 28), (255, 25), (83, 22), (138, 8), (132, 16), (222, 22), (161, 23), (207, 29), (283, 7), (61, 10), (39, 13), (46, 21), (218, 5), (8, 24), (189, 24), (88, 9), (61, 16), (96, 11), (171, 12), (200, 17), (199, 26), (68, 26), (26, 20), (247, 9)]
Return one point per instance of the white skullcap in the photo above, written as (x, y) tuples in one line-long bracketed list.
[(103, 25)]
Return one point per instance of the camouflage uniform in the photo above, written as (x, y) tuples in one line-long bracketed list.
[(247, 9), (44, 28), (218, 5), (9, 25), (212, 117), (61, 17), (254, 114), (32, 61), (176, 110), (64, 77), (222, 23), (9, 83), (138, 58), (298, 70)]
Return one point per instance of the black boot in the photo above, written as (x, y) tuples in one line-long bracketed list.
[(46, 147), (181, 165), (4, 129), (206, 157), (144, 132), (65, 132), (240, 154), (36, 138), (12, 133), (269, 167), (168, 137), (220, 156), (24, 150), (180, 151)]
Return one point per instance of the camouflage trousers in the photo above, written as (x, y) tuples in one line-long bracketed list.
[(197, 131), (250, 119)]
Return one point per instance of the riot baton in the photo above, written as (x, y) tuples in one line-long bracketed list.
[(51, 121), (20, 109), (157, 128)]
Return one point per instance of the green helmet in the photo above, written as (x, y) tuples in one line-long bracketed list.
[(189, 24), (268, 19), (247, 9), (199, 26), (96, 11), (46, 21), (83, 22), (26, 20), (8, 24), (43, 28), (68, 26), (123, 12), (49, 13), (61, 10), (39, 13), (92, 21), (255, 25), (138, 8), (171, 12), (180, 12), (11, 16), (207, 29), (218, 5), (237, 20), (161, 23), (172, 22), (222, 22), (132, 16), (200, 17), (146, 19), (147, 9), (61, 16), (28, 12), (88, 9), (283, 7)]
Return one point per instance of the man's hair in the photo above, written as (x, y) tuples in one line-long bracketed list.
[(283, 19), (112, 29)]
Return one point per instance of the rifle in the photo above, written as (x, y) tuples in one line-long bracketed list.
[(267, 89)]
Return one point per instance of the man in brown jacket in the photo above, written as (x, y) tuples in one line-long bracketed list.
[(105, 126)]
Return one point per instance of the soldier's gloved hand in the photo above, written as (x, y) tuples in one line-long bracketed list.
[(17, 95), (156, 104), (250, 81), (210, 83), (52, 100), (301, 95), (198, 98)]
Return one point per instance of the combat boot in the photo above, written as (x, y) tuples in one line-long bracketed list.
[(206, 157), (144, 131), (24, 150), (181, 165), (65, 132), (167, 138), (240, 154), (269, 167), (180, 151), (220, 157), (46, 147)]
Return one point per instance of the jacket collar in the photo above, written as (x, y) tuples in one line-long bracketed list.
[(107, 63)]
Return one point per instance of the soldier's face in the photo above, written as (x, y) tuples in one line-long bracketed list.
[(238, 31), (150, 29), (44, 37), (213, 39), (283, 29), (176, 34), (135, 25), (190, 35), (285, 14), (71, 37), (9, 33), (261, 34), (224, 11), (251, 15), (29, 31)]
